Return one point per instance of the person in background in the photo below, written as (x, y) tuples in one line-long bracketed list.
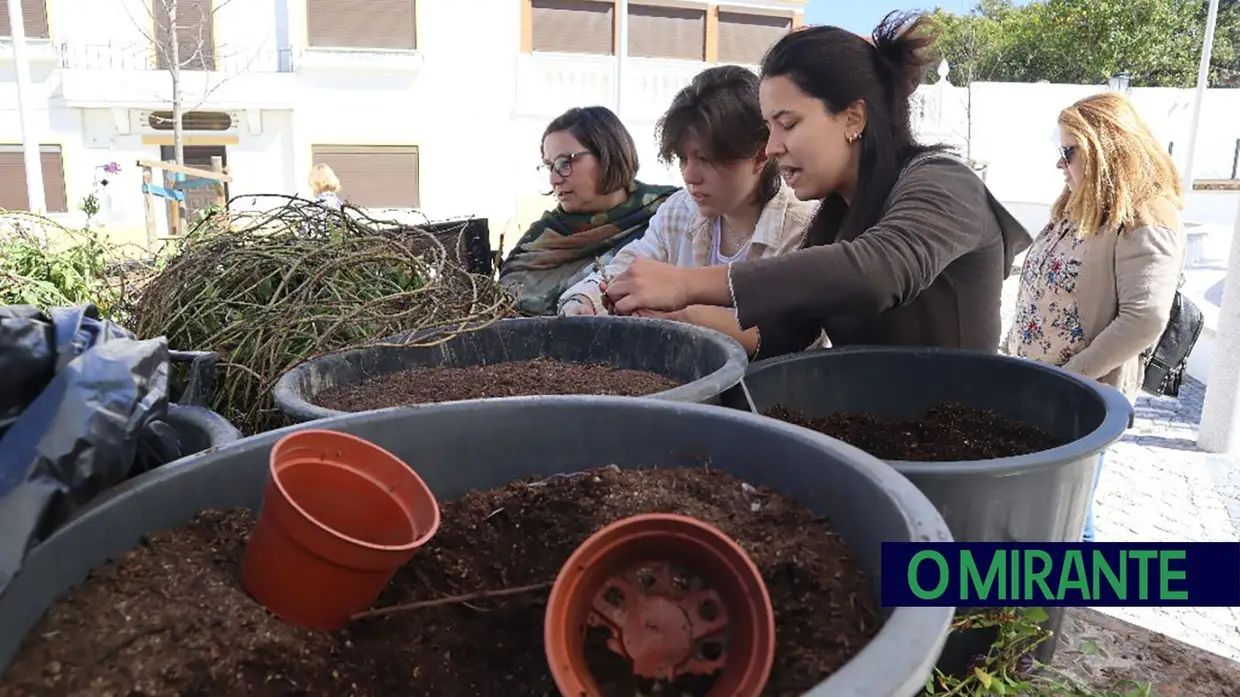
[(325, 187), (1097, 285), (734, 204), (592, 164), (908, 246)]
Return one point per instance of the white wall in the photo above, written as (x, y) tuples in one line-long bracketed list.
[(1012, 126)]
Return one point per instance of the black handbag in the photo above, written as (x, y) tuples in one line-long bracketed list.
[(1167, 361)]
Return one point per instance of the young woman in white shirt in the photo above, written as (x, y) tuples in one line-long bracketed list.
[(734, 206)]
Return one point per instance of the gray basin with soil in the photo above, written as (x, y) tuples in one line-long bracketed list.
[(199, 428), (1040, 497), (705, 361), (487, 443)]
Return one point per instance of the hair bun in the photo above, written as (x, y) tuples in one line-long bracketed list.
[(902, 40)]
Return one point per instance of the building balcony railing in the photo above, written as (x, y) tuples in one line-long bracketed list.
[(548, 83), (144, 56), (38, 50)]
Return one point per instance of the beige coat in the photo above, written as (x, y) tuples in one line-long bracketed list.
[(1124, 293)]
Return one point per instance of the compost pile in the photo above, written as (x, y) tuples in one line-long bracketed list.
[(170, 617), (268, 290), (542, 376), (946, 433)]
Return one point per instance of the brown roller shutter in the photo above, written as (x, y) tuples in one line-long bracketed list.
[(667, 32), (573, 26), (382, 24), (13, 179), (373, 176), (34, 19), (744, 38), (195, 34)]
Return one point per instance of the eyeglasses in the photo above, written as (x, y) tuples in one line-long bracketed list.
[(1066, 152), (563, 165)]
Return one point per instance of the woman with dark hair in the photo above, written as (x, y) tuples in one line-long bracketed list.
[(908, 246), (592, 164), (734, 205)]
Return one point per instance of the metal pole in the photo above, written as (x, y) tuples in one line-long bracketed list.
[(25, 110), (1203, 80), (622, 51)]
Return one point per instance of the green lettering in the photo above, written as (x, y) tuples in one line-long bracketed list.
[(1014, 577), (1119, 584), (1039, 576), (971, 577), (1166, 574), (1143, 571), (1073, 565), (944, 575)]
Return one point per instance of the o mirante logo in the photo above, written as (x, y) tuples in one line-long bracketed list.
[(1060, 574)]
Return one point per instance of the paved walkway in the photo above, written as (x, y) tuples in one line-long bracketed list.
[(1157, 486)]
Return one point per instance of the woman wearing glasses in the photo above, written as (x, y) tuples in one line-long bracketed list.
[(907, 247), (734, 205), (592, 164), (1098, 283)]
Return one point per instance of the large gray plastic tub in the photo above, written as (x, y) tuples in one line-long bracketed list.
[(199, 428), (1041, 497), (484, 444), (707, 361)]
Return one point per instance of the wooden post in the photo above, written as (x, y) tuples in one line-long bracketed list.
[(174, 206), (217, 166), (152, 231)]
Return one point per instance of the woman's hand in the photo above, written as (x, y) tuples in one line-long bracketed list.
[(649, 285), (678, 316)]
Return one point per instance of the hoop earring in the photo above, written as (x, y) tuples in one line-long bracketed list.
[(852, 137)]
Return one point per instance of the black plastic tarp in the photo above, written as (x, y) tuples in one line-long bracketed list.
[(83, 407)]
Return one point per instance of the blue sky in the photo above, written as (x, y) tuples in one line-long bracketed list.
[(861, 16)]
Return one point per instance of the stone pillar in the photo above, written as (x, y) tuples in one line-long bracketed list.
[(1220, 416)]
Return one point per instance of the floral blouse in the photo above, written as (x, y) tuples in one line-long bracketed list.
[(1047, 327)]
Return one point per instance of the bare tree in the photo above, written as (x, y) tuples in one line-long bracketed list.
[(182, 33), (972, 52)]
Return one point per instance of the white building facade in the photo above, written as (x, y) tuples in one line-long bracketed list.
[(435, 105)]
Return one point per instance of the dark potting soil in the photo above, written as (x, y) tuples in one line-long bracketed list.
[(542, 376), (947, 433), (170, 617)]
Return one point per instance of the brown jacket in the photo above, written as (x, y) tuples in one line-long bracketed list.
[(930, 273), (1124, 293)]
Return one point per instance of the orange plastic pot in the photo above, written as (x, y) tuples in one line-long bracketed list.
[(676, 597), (340, 515)]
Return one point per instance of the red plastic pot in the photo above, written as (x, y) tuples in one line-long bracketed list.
[(340, 515), (676, 596)]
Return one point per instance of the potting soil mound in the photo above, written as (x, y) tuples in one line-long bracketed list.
[(947, 433), (542, 376), (170, 617)]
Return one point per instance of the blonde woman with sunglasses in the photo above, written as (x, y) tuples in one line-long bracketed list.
[(1098, 284)]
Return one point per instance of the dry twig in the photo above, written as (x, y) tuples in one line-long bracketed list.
[(452, 600)]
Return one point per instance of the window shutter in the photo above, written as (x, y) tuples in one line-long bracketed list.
[(744, 38), (373, 176), (573, 26), (667, 32)]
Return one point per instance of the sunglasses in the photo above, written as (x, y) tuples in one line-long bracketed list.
[(1066, 152)]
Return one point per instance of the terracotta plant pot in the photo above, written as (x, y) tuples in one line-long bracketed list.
[(676, 597), (340, 515)]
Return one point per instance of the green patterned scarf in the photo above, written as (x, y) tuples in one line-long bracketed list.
[(560, 248)]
